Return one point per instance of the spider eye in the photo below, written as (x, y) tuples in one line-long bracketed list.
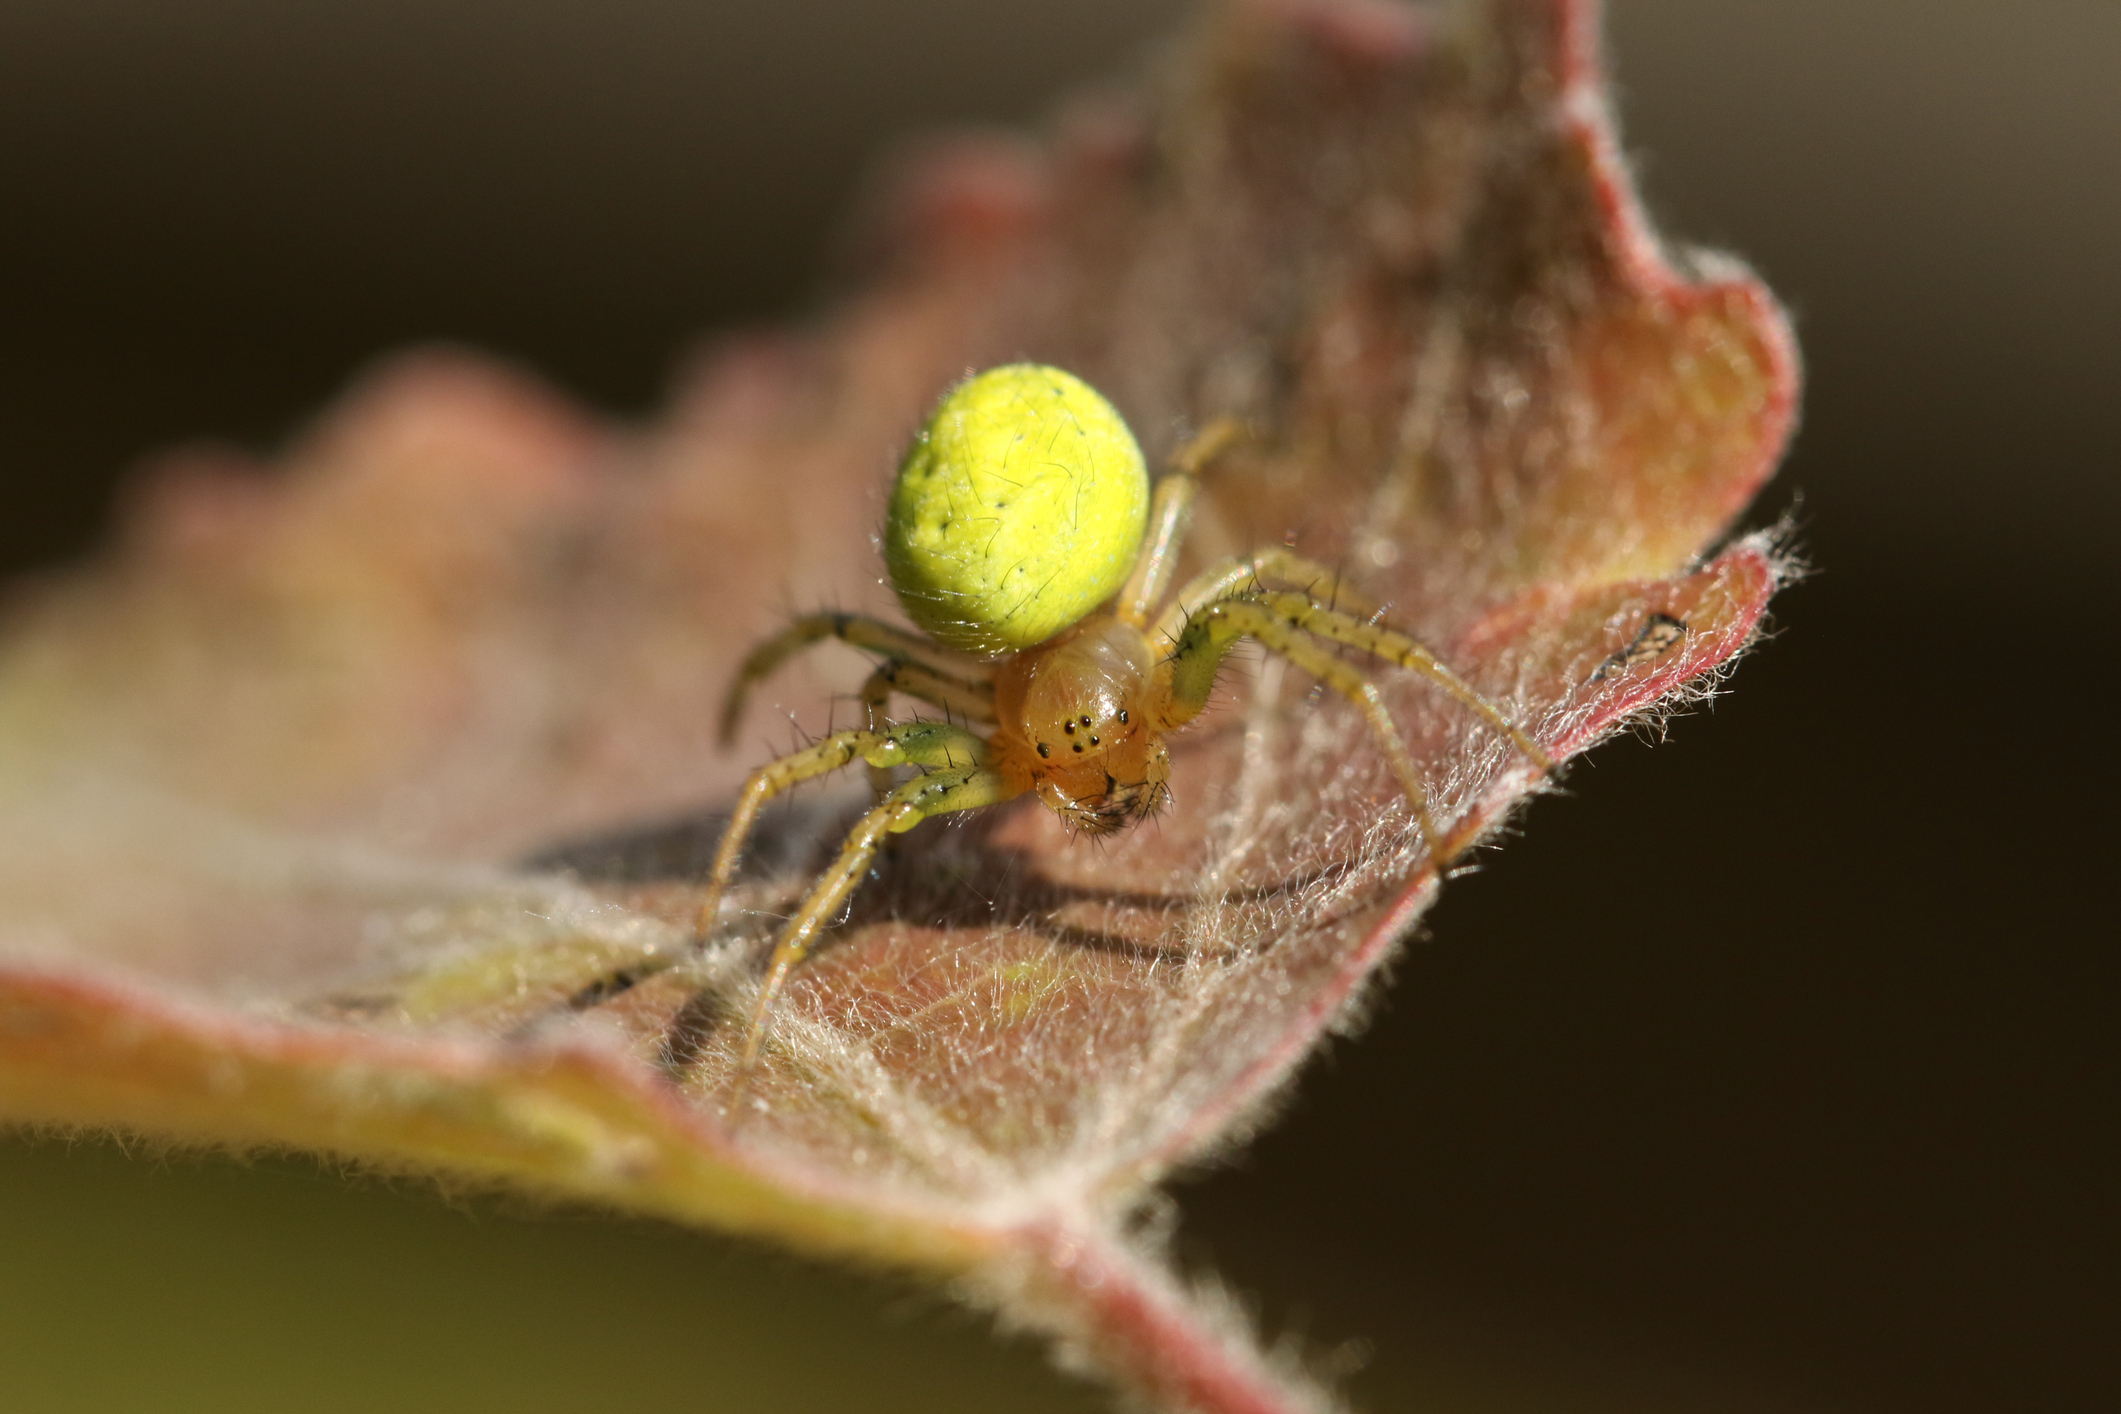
[(1043, 750)]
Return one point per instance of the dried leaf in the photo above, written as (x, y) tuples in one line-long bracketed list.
[(342, 802)]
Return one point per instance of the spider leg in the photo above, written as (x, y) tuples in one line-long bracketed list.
[(876, 696), (932, 744), (1276, 564), (939, 792), (1284, 623), (1210, 635), (1395, 647), (972, 701), (874, 635), (1170, 512)]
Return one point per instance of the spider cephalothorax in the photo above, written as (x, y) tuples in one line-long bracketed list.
[(1023, 507), (1077, 725)]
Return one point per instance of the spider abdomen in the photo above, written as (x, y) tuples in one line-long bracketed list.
[(1018, 509)]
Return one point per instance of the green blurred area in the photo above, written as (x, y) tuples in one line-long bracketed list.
[(189, 1282)]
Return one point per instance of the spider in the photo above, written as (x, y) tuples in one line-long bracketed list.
[(1022, 536)]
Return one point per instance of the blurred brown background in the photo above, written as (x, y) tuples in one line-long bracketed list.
[(1824, 1126)]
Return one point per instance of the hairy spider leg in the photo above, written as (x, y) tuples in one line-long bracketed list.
[(934, 745), (941, 791), (1170, 512), (1397, 648), (1286, 623), (971, 701), (1210, 635), (876, 696), (961, 670), (1275, 564)]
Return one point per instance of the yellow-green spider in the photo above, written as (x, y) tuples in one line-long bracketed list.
[(1023, 538)]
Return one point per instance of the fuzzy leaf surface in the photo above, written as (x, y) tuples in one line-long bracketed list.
[(336, 795)]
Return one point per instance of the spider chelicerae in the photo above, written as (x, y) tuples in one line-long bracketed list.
[(1023, 538)]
